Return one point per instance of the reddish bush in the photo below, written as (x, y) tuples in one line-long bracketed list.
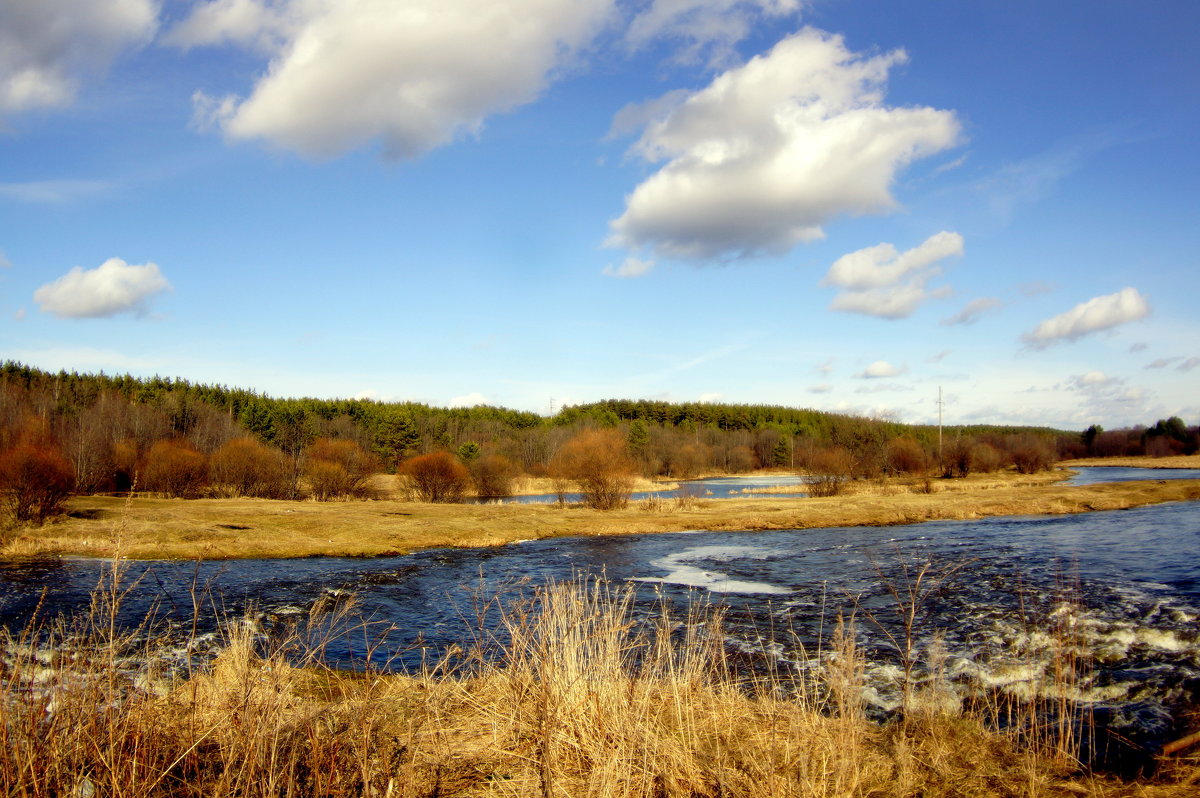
[(35, 481), (174, 468), (435, 477), (828, 472), (1030, 455), (906, 456), (245, 467), (598, 461), (493, 475), (338, 469)]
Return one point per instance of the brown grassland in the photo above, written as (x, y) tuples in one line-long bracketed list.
[(575, 699), (156, 528)]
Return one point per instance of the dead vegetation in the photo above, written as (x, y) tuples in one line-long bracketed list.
[(575, 698)]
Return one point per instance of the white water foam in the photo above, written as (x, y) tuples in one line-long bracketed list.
[(680, 573)]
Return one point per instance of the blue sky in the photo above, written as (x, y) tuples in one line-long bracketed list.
[(839, 204)]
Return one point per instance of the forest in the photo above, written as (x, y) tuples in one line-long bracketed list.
[(69, 433)]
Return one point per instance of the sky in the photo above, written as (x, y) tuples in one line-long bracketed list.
[(848, 205)]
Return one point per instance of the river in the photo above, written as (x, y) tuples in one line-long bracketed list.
[(1125, 584)]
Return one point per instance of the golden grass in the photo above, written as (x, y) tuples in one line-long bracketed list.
[(1174, 461), (580, 702), (154, 528)]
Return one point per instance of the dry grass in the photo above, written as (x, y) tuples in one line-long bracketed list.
[(581, 702), (154, 528), (1174, 461)]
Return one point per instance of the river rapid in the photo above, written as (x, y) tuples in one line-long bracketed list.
[(1005, 596)]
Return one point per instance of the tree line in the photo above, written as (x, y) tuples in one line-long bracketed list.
[(87, 433)]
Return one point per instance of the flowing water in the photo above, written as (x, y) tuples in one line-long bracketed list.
[(1006, 596)]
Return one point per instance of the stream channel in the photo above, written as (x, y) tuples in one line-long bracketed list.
[(1124, 584)]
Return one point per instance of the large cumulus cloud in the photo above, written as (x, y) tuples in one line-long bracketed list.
[(770, 151)]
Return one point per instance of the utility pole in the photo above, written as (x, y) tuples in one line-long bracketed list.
[(940, 404)]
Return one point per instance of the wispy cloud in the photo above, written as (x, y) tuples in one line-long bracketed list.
[(880, 369), (973, 311), (54, 191)]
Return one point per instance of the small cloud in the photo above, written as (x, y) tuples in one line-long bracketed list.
[(883, 282), (1035, 288), (1140, 346), (939, 357), (1162, 362), (1095, 315), (880, 369), (1091, 381), (369, 395), (1188, 364), (973, 311), (887, 303), (711, 398), (5, 263), (19, 315), (882, 265), (631, 267), (824, 367), (470, 400), (110, 289), (822, 388)]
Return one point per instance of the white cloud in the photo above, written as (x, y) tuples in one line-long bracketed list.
[(1140, 346), (884, 282), (703, 26), (1189, 364), (470, 400), (47, 47), (880, 369), (822, 388), (882, 265), (939, 357), (1092, 380), (770, 151), (112, 288), (631, 267), (19, 315), (898, 302), (1099, 313), (825, 366), (972, 311), (413, 75), (711, 398)]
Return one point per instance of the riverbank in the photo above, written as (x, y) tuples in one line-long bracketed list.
[(152, 528), (1174, 461), (579, 701)]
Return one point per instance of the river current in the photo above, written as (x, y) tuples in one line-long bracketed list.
[(1002, 594)]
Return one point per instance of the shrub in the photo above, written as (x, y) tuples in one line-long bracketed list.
[(493, 475), (174, 468), (985, 458), (435, 477), (598, 461), (35, 482), (906, 456), (1031, 455), (338, 469), (246, 467), (829, 470)]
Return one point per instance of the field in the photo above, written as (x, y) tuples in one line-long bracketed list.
[(144, 527)]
